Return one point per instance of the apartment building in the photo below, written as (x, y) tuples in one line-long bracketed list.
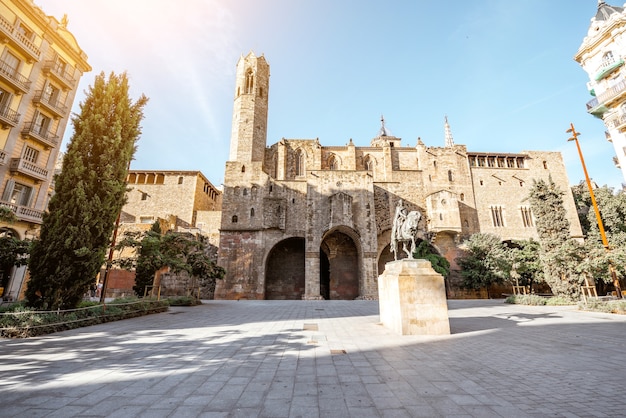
[(40, 67)]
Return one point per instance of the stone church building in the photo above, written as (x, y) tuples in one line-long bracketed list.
[(301, 220)]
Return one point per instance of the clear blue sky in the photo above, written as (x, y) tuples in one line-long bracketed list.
[(501, 70)]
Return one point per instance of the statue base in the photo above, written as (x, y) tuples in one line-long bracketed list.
[(412, 298)]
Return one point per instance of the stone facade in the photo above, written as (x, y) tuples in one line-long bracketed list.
[(601, 55), (302, 220), (183, 201)]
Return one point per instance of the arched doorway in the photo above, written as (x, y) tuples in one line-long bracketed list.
[(339, 267), (284, 272)]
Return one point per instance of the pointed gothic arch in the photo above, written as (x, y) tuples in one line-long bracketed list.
[(249, 87), (300, 162), (333, 162)]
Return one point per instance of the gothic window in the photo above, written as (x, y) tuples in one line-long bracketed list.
[(527, 217), (450, 175), (496, 216), (545, 165), (249, 82), (462, 197), (368, 163), (333, 163), (243, 168), (234, 219), (252, 212), (300, 168)]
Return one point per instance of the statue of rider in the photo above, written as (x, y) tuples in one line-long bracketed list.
[(398, 220)]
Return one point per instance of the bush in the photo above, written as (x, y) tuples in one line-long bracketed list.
[(18, 321), (184, 301), (609, 306), (526, 300)]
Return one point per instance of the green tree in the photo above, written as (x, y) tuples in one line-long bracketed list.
[(612, 207), (178, 251), (525, 263), (560, 255), (486, 261), (14, 252), (89, 194), (425, 251)]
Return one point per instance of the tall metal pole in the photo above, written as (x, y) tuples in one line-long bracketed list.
[(605, 242)]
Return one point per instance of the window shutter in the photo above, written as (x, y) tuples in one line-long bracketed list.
[(28, 199), (8, 190)]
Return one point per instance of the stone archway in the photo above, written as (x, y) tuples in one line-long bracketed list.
[(284, 272), (339, 267)]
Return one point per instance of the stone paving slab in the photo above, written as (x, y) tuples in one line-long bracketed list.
[(322, 359)]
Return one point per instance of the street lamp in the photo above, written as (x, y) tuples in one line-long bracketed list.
[(605, 243)]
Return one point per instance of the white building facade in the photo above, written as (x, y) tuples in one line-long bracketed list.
[(602, 55)]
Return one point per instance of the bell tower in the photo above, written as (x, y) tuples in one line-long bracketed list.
[(249, 129)]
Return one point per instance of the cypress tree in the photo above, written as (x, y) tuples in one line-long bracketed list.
[(89, 195), (559, 254)]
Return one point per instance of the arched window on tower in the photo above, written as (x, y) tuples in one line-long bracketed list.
[(249, 82), (300, 160)]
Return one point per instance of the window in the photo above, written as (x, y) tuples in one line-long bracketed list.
[(450, 175), (243, 168), (300, 169), (25, 32), (146, 219), (17, 193), (31, 154), (249, 82), (144, 195), (462, 197), (252, 212), (5, 100), (60, 66), (333, 164), (368, 163), (607, 59), (234, 219), (42, 123), (245, 192), (545, 165), (51, 94), (12, 63), (527, 217), (496, 216), (180, 180)]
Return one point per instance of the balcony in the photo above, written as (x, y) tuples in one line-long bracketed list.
[(59, 74), (16, 80), (20, 165), (607, 68), (3, 157), (8, 118), (599, 105), (54, 106), (25, 214), (19, 41), (43, 136)]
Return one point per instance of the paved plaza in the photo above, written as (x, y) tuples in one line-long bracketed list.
[(322, 358)]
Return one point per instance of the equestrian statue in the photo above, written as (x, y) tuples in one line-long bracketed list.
[(404, 229)]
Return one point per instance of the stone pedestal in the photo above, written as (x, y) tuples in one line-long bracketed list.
[(412, 298)]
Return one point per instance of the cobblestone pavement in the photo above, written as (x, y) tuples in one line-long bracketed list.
[(322, 358)]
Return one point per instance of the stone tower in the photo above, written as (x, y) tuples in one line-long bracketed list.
[(249, 129), (602, 55)]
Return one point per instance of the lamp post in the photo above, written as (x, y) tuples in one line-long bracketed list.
[(605, 243)]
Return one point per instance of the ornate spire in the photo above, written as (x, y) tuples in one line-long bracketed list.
[(448, 133), (383, 130)]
